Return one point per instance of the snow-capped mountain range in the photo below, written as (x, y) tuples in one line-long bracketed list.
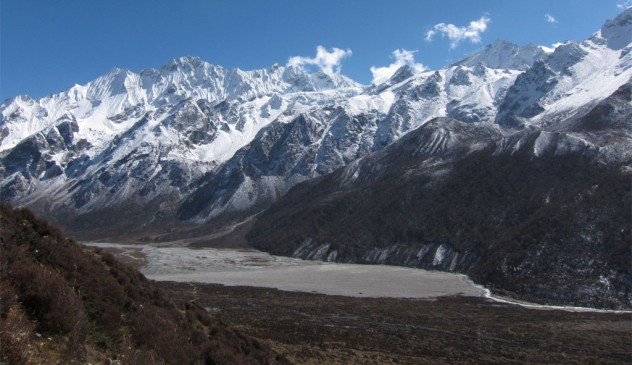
[(195, 141), (138, 136)]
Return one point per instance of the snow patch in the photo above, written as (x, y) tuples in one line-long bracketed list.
[(440, 254)]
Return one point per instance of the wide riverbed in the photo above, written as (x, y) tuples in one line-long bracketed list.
[(259, 269)]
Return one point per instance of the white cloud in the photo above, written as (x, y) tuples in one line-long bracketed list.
[(550, 18), (472, 32), (625, 5), (328, 62), (402, 57)]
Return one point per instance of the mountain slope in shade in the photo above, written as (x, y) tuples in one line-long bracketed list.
[(536, 215)]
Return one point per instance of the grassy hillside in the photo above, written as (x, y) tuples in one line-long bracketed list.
[(63, 303)]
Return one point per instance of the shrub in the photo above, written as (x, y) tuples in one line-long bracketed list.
[(15, 328), (48, 299)]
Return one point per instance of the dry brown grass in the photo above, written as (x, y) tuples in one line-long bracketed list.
[(64, 303)]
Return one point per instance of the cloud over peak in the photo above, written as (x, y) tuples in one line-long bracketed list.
[(328, 61), (402, 57), (471, 32)]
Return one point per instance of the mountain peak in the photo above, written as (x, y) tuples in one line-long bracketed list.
[(188, 63), (402, 74), (310, 81), (117, 72), (116, 81), (506, 55), (618, 31), (189, 59)]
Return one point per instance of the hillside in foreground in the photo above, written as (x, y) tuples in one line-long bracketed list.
[(62, 303)]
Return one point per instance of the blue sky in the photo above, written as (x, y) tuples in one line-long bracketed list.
[(47, 46)]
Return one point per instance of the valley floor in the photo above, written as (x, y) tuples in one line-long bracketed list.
[(325, 329), (169, 261)]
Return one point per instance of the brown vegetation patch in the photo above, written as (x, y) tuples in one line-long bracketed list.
[(322, 329), (65, 303)]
